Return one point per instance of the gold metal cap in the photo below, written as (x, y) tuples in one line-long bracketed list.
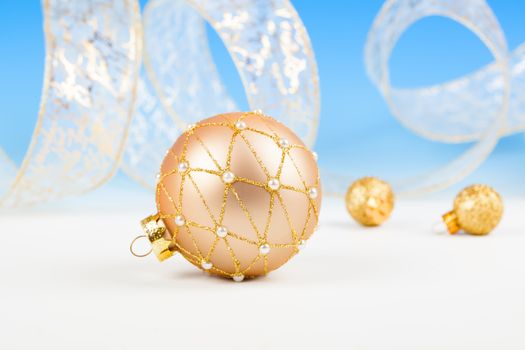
[(451, 221), (154, 231)]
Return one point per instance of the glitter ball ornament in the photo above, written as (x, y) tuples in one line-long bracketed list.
[(370, 201), (234, 198), (477, 210)]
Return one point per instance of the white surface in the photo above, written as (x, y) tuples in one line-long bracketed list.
[(69, 282)]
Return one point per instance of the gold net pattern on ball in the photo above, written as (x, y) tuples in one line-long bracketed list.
[(202, 258)]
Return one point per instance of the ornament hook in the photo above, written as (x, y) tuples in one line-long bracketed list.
[(133, 243)]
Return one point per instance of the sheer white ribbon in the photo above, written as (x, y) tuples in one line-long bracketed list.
[(472, 108), (92, 61), (93, 56)]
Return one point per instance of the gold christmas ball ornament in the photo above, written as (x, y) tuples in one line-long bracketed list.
[(238, 195), (477, 210), (370, 201)]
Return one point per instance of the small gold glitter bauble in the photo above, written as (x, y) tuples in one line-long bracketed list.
[(238, 194), (477, 210), (370, 201)]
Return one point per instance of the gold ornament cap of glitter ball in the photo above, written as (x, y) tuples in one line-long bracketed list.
[(370, 201), (477, 210)]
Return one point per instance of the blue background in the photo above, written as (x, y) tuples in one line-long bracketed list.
[(357, 131)]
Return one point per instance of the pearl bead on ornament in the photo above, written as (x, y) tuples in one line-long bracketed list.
[(284, 143), (274, 184), (221, 231), (228, 177), (238, 277), (240, 124), (206, 265), (179, 220), (264, 249), (302, 244), (183, 166), (312, 192)]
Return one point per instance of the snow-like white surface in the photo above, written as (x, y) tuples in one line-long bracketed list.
[(67, 281)]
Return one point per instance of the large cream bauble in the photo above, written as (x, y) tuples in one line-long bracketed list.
[(239, 194)]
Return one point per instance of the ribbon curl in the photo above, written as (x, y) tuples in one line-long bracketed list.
[(92, 61), (472, 108)]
